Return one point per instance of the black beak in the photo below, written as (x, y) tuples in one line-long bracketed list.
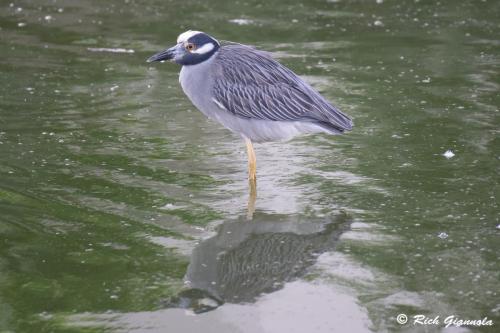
[(163, 55)]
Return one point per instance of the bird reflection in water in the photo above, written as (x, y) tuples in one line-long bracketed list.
[(245, 260)]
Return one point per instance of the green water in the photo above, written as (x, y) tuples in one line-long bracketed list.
[(122, 209)]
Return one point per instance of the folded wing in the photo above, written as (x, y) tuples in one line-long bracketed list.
[(250, 84)]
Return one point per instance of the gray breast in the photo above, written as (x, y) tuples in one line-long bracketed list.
[(197, 83)]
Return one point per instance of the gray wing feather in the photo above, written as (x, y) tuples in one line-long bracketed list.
[(250, 84)]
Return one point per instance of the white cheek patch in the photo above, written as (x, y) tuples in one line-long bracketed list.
[(186, 35), (204, 49)]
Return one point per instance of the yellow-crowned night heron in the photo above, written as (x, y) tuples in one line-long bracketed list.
[(249, 92)]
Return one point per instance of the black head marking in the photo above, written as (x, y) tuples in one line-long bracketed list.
[(204, 46)]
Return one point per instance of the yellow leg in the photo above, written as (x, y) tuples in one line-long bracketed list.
[(252, 161), (252, 179), (252, 197)]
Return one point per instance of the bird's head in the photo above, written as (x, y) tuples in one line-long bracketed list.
[(193, 47)]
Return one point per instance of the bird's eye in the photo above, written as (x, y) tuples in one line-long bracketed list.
[(190, 46)]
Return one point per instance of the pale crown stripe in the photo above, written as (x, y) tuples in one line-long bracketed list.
[(186, 35)]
